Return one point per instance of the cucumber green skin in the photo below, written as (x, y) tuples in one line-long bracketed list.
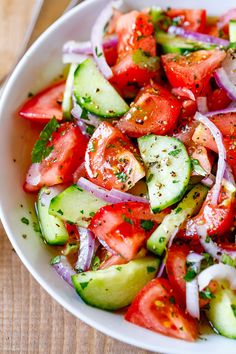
[(179, 45), (105, 100), (220, 313), (75, 205), (115, 287), (52, 228), (190, 206), (150, 146), (232, 31)]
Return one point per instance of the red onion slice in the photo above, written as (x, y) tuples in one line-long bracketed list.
[(161, 269), (217, 272), (224, 20), (86, 249), (223, 111), (49, 193), (192, 292), (221, 152), (224, 82), (33, 176), (183, 92), (64, 269), (196, 36), (127, 197), (92, 119), (202, 105), (97, 191), (209, 181), (73, 58), (211, 247), (229, 175), (97, 37), (73, 47)]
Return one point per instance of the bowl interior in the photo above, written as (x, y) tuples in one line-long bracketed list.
[(40, 65)]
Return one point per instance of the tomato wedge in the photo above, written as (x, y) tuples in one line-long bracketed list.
[(111, 161), (45, 105), (125, 226), (154, 111), (155, 308), (189, 19), (218, 218), (69, 146), (192, 71), (217, 100)]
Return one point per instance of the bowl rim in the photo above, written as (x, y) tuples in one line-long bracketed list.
[(33, 271)]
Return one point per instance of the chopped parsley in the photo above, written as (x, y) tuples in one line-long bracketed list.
[(172, 300), (178, 210), (190, 275), (150, 177), (122, 176), (90, 129), (226, 259), (86, 99), (97, 53), (147, 225), (59, 211), (128, 220), (91, 214), (84, 284), (84, 114), (25, 221), (196, 167), (95, 263), (119, 269), (175, 152), (162, 239), (151, 269), (208, 239), (41, 150), (36, 226), (55, 260), (206, 294), (91, 146)]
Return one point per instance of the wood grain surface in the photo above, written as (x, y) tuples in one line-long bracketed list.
[(30, 320)]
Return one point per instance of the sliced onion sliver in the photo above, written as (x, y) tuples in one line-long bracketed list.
[(73, 58), (92, 119), (209, 181), (196, 36), (224, 82), (97, 191), (229, 175), (86, 250), (183, 92), (64, 269), (97, 37), (192, 293), (223, 111), (202, 104), (127, 197), (211, 247), (73, 47), (217, 272), (49, 193), (161, 269), (221, 152)]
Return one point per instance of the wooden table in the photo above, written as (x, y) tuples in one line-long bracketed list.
[(30, 320)]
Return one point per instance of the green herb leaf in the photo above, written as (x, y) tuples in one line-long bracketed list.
[(97, 53), (151, 269), (119, 269), (178, 210), (175, 152), (147, 225), (172, 300), (226, 259), (84, 285), (128, 220), (84, 114), (40, 149), (190, 275), (36, 226), (55, 260), (92, 214), (90, 129), (96, 263), (233, 307), (206, 294), (25, 221), (121, 176), (60, 212), (196, 167)]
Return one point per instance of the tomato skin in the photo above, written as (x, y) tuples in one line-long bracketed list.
[(192, 71), (230, 145), (120, 226), (155, 111), (204, 156), (111, 55), (185, 131), (218, 219), (110, 159), (189, 19), (176, 271), (218, 100), (153, 308), (45, 105), (68, 153), (135, 31)]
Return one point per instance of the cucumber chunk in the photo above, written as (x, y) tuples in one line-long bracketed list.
[(95, 94), (179, 45), (52, 228), (115, 287), (232, 31), (168, 169), (75, 205), (222, 312), (67, 97), (189, 206)]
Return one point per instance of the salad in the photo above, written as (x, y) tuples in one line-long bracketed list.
[(134, 169)]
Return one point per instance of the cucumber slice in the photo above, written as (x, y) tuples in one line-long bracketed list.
[(75, 205), (115, 287), (232, 31), (95, 94), (52, 228), (179, 45), (222, 312), (189, 206), (168, 169)]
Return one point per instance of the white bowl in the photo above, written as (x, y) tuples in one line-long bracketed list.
[(39, 66)]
